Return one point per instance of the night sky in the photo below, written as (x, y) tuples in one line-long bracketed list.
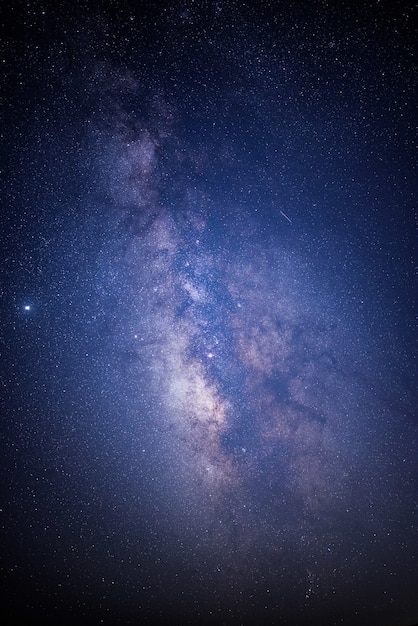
[(208, 275)]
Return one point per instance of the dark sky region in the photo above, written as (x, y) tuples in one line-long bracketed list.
[(208, 255)]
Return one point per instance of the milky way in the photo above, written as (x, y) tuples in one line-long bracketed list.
[(209, 375)]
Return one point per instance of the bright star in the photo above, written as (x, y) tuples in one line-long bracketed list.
[(27, 307)]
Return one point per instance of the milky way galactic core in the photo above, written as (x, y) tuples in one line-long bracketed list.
[(208, 245)]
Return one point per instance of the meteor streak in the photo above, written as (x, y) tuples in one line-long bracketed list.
[(285, 216)]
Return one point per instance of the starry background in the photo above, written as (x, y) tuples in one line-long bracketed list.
[(208, 407)]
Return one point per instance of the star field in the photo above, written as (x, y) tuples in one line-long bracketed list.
[(207, 327)]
